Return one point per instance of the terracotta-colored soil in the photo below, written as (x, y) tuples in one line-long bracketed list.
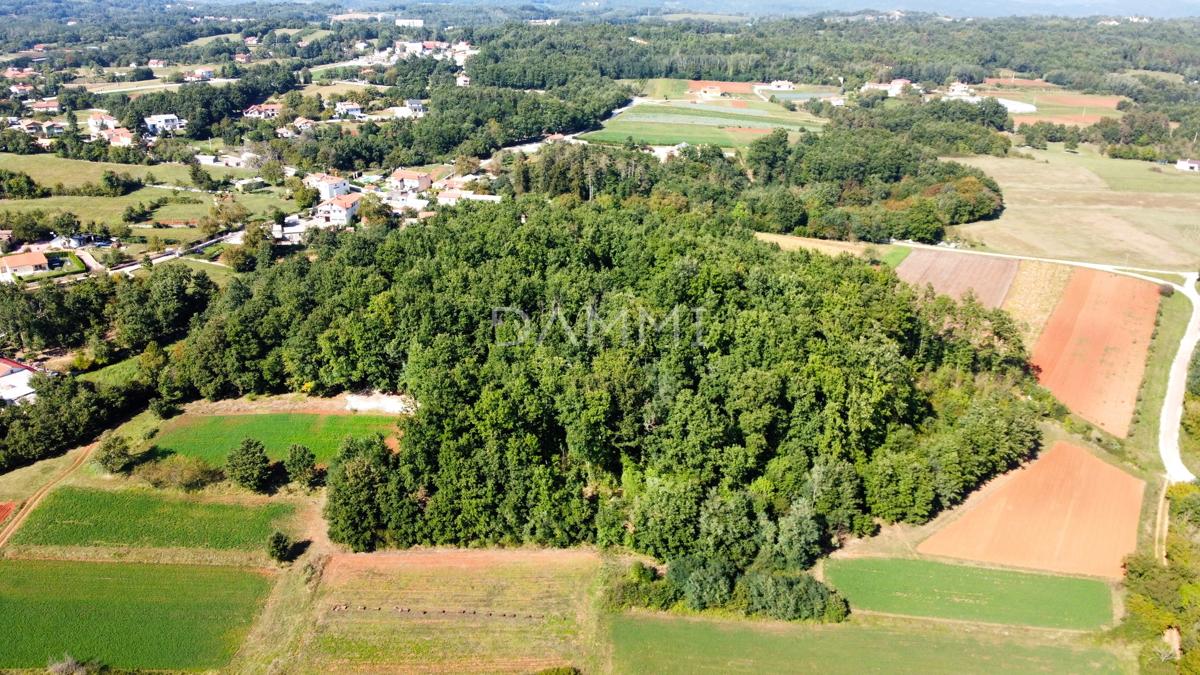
[(726, 87), (1092, 353), (738, 104), (1066, 512), (953, 274), (6, 508), (1033, 295), (340, 568)]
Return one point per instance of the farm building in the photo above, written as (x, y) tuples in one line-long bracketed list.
[(782, 85), (1188, 165)]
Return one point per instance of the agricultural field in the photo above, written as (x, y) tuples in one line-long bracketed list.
[(49, 170), (659, 645), (200, 42), (532, 609), (220, 274), (111, 209), (1061, 107), (213, 436), (125, 615), (723, 122), (1034, 293), (1091, 208), (1068, 512), (1092, 353), (932, 589), (954, 274), (71, 516)]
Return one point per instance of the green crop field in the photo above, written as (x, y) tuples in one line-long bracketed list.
[(649, 645), (78, 517), (895, 256), (50, 169), (925, 588), (125, 615), (213, 436), (656, 133)]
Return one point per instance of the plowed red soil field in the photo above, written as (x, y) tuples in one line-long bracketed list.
[(1092, 354), (6, 508), (953, 273), (726, 87), (1066, 512)]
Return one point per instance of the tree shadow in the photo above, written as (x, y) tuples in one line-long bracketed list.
[(298, 548)]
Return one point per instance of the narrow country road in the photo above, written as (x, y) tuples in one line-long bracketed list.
[(1172, 412), (37, 497)]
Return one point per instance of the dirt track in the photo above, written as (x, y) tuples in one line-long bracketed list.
[(1092, 354), (953, 274), (37, 497), (1067, 512)]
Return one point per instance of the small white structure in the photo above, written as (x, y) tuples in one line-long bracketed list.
[(413, 107), (404, 180), (157, 124), (347, 109), (1013, 107), (339, 210), (410, 23), (960, 89), (14, 381), (328, 186), (1188, 165), (462, 80), (782, 85), (894, 88), (453, 197)]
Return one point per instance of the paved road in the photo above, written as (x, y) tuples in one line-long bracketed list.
[(1172, 412)]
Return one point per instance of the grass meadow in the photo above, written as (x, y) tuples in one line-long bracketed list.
[(213, 436), (72, 516), (895, 256), (933, 589), (658, 645), (125, 615), (50, 169)]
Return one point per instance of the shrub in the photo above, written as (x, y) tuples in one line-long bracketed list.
[(113, 454), (248, 465), (558, 670), (709, 586), (301, 465), (279, 546), (1166, 290), (179, 472), (67, 666), (163, 409), (788, 596)]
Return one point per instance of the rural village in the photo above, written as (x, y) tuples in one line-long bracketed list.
[(558, 341)]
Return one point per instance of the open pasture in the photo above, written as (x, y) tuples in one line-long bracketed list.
[(726, 87), (1092, 353), (72, 516), (547, 595), (49, 169), (966, 593), (954, 274), (1034, 293), (1091, 208), (125, 615), (662, 645), (213, 436), (1065, 512)]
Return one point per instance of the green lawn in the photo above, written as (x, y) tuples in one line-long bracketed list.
[(80, 517), (213, 436), (896, 255), (110, 209), (656, 645), (220, 274), (50, 169), (925, 588), (120, 372), (656, 133), (1131, 175), (125, 615)]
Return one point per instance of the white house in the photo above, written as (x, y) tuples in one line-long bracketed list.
[(156, 124), (462, 80), (1188, 165), (204, 73), (782, 85), (338, 210), (264, 111), (302, 123), (119, 137), (410, 23), (98, 122), (347, 108), (404, 180), (894, 88), (960, 89), (328, 186), (452, 197), (413, 107), (14, 381)]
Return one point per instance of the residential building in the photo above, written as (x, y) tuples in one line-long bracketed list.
[(338, 210), (251, 41), (284, 132), (462, 80), (782, 85), (23, 264), (243, 58), (959, 89), (45, 106), (12, 73), (410, 23), (98, 122), (264, 111), (404, 180), (157, 124), (157, 63), (1188, 165), (302, 123), (204, 73), (413, 107), (894, 88), (21, 89), (410, 47), (328, 186), (347, 109), (14, 381), (119, 137)]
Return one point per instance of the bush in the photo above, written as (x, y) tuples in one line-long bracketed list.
[(163, 409), (113, 454), (642, 587), (558, 670), (301, 465), (279, 546), (248, 465), (67, 666), (180, 472), (709, 586), (788, 596), (1166, 290)]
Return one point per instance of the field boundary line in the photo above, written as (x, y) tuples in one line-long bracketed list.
[(37, 497), (966, 622), (1162, 525)]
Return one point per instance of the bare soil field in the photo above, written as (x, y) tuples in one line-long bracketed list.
[(455, 611), (726, 87), (1067, 512), (1092, 354), (1033, 295), (953, 274), (1058, 208), (789, 242), (6, 509)]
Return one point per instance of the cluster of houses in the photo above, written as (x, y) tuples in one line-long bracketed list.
[(101, 127)]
